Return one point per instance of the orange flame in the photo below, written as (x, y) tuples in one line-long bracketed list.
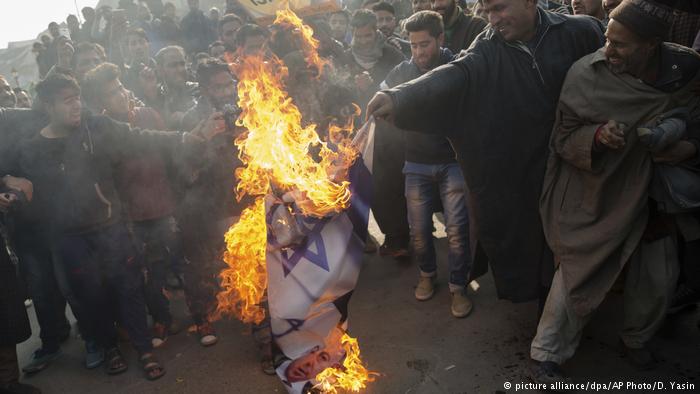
[(245, 280), (352, 377), (309, 45), (276, 155)]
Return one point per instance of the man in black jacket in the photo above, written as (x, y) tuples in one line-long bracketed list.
[(460, 29), (497, 105), (431, 170), (14, 322), (196, 29), (370, 59), (36, 266), (208, 205), (71, 163)]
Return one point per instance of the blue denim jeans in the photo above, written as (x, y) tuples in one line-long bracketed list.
[(424, 182)]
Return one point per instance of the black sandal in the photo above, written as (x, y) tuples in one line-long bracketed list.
[(115, 362), (151, 367)]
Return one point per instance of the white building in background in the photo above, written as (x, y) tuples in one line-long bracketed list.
[(18, 55)]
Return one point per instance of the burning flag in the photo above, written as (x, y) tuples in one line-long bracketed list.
[(302, 240)]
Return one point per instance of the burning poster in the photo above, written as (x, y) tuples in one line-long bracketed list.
[(300, 245), (311, 281)]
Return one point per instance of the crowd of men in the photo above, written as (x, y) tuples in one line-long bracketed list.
[(560, 142)]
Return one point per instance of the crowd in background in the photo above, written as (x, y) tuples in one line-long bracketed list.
[(118, 174)]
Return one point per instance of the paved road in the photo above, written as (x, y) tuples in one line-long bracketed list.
[(417, 346)]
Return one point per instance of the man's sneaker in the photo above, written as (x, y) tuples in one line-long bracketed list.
[(160, 335), (18, 388), (207, 334), (41, 360), (94, 354), (461, 304), (397, 253), (425, 288), (549, 372), (641, 358), (685, 297)]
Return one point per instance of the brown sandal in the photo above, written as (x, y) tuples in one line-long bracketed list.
[(115, 363), (151, 367)]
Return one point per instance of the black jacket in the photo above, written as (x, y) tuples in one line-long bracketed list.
[(14, 323), (497, 105), (421, 147), (210, 183), (197, 32), (462, 32), (74, 186), (390, 58)]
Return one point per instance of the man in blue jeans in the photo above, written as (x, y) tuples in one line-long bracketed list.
[(432, 172)]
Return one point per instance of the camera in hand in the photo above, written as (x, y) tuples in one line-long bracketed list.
[(231, 113)]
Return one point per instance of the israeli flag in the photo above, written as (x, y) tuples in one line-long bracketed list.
[(309, 285)]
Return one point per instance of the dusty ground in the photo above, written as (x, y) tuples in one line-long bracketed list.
[(417, 346)]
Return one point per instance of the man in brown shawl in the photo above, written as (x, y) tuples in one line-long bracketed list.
[(595, 206)]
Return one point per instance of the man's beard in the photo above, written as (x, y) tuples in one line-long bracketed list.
[(630, 65), (447, 11), (430, 63), (618, 68)]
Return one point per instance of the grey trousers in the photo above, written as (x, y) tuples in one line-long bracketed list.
[(651, 280)]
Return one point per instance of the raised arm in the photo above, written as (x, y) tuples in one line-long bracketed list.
[(122, 139), (432, 103)]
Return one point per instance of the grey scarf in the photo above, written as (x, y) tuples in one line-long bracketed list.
[(369, 57)]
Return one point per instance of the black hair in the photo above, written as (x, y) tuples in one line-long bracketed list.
[(207, 69), (53, 84), (343, 13), (137, 31), (249, 30), (425, 20), (227, 19), (384, 6), (87, 47), (161, 54), (362, 18), (95, 79)]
